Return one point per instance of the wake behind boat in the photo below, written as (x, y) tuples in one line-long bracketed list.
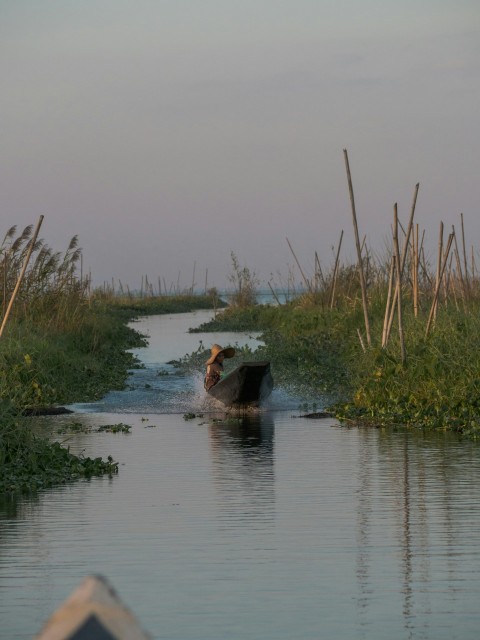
[(248, 384)]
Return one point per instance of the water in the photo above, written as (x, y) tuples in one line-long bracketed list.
[(264, 526)]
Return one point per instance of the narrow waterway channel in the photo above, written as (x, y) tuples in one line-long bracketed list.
[(271, 526)]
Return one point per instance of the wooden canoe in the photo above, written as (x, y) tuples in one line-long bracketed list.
[(93, 610), (248, 384)]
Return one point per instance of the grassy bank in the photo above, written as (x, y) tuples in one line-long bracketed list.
[(317, 351), (46, 361), (61, 344), (72, 350)]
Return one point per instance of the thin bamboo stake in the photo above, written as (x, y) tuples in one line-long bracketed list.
[(415, 272), (439, 265), (437, 288), (454, 291), (459, 270), (399, 286), (274, 294), (318, 269), (307, 283), (447, 284), (5, 272), (464, 252), (362, 344), (22, 273), (389, 298), (335, 272), (410, 224), (359, 252), (404, 255), (193, 277)]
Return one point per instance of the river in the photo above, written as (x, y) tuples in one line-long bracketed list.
[(268, 526)]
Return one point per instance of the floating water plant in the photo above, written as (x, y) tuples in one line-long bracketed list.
[(115, 428)]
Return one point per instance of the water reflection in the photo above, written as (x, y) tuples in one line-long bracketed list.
[(413, 481), (242, 454)]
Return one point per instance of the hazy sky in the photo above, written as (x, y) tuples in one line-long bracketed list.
[(168, 133)]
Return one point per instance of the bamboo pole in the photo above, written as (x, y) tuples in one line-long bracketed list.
[(318, 269), (362, 344), (447, 284), (415, 272), (5, 279), (439, 266), (22, 273), (404, 255), (387, 306), (459, 270), (464, 253), (410, 225), (359, 252), (335, 272), (437, 288), (399, 286), (305, 279), (193, 276), (274, 294)]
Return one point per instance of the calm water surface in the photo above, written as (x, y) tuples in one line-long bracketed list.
[(268, 526)]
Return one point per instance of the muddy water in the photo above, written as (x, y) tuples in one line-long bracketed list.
[(262, 526)]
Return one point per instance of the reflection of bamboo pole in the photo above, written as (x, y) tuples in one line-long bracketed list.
[(359, 251), (335, 272), (399, 286), (307, 283), (437, 288), (22, 273)]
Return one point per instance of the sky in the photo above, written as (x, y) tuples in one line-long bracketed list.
[(168, 134)]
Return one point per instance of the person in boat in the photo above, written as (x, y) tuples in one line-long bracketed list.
[(215, 365)]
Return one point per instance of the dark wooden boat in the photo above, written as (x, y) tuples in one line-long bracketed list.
[(248, 384)]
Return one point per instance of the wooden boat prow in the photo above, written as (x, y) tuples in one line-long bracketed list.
[(93, 610), (249, 384)]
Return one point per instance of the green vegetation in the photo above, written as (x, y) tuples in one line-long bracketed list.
[(244, 282), (131, 306), (79, 427), (397, 345), (29, 463), (62, 343), (321, 351)]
